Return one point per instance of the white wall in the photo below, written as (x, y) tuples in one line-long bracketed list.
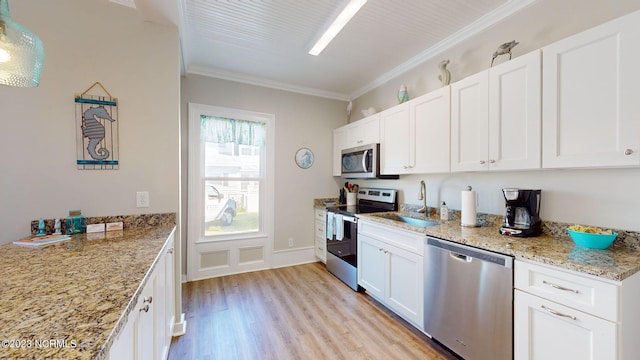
[(603, 197), (300, 121), (138, 62)]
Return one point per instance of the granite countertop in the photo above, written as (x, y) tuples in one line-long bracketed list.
[(616, 263), (66, 300)]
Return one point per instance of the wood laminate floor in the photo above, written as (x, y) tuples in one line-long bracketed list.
[(298, 312)]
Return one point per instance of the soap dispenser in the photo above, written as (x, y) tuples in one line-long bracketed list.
[(444, 211)]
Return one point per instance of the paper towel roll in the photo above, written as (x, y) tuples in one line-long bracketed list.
[(468, 208)]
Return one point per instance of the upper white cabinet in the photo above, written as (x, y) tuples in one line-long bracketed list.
[(414, 136), (496, 117), (362, 132), (339, 143), (591, 84)]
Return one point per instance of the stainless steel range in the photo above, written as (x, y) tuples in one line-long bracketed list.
[(342, 231)]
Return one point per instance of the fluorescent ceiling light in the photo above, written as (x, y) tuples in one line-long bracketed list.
[(345, 16)]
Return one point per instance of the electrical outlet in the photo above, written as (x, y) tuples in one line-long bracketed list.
[(142, 199), (290, 242)]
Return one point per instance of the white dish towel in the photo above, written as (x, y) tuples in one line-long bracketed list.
[(339, 224), (330, 221)]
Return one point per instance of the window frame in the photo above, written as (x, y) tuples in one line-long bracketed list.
[(197, 178)]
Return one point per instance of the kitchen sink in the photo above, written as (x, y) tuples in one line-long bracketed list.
[(409, 220)]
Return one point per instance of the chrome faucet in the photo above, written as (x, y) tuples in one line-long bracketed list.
[(423, 196)]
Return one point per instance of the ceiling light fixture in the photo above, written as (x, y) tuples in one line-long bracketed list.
[(21, 52), (343, 18)]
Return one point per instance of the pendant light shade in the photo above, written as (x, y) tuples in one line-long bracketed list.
[(21, 52)]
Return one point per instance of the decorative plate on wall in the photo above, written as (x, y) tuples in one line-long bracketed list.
[(304, 158)]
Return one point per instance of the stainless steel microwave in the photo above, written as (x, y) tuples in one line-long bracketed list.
[(363, 162)]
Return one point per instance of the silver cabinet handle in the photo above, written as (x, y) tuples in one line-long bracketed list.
[(556, 313), (146, 300), (170, 251), (482, 162), (145, 308), (492, 161), (628, 152), (560, 287)]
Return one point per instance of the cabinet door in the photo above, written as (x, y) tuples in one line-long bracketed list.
[(145, 329), (515, 123), (470, 123), (339, 143), (170, 292), (371, 268), (395, 145), (124, 345), (364, 131), (430, 138), (590, 107), (546, 330), (405, 284)]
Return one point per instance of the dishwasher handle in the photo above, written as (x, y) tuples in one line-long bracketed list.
[(460, 257), (470, 252)]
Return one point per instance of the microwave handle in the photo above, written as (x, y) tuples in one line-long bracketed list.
[(364, 161)]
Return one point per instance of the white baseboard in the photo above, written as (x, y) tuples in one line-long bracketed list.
[(180, 328), (286, 258)]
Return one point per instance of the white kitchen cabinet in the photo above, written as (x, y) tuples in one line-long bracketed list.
[(496, 117), (563, 314), (339, 143), (590, 106), (395, 147), (145, 322), (390, 268), (362, 132), (149, 326), (124, 346), (414, 136), (321, 234), (546, 330)]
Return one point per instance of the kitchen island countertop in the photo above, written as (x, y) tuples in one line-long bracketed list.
[(66, 300), (616, 263)]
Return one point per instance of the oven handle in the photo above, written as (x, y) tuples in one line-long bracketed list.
[(351, 219)]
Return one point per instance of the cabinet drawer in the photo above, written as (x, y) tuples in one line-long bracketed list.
[(321, 229), (403, 239), (592, 296), (321, 215)]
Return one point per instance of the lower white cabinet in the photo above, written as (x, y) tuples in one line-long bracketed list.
[(149, 327), (563, 314), (390, 268), (321, 234), (546, 330)]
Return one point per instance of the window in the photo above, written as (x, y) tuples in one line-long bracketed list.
[(233, 174)]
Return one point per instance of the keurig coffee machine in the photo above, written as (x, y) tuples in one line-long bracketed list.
[(522, 217)]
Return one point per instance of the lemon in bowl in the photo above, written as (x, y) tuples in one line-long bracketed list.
[(590, 237)]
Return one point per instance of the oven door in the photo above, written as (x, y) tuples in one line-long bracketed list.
[(344, 243)]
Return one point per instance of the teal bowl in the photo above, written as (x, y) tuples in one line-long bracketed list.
[(592, 241)]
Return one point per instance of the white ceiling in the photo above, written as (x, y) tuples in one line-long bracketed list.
[(267, 42)]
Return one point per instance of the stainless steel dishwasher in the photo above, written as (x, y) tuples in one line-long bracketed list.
[(468, 296)]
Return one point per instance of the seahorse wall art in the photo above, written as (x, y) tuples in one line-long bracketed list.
[(94, 131)]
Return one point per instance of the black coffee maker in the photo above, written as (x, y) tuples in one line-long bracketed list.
[(522, 216)]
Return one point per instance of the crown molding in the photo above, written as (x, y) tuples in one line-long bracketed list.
[(257, 81)]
